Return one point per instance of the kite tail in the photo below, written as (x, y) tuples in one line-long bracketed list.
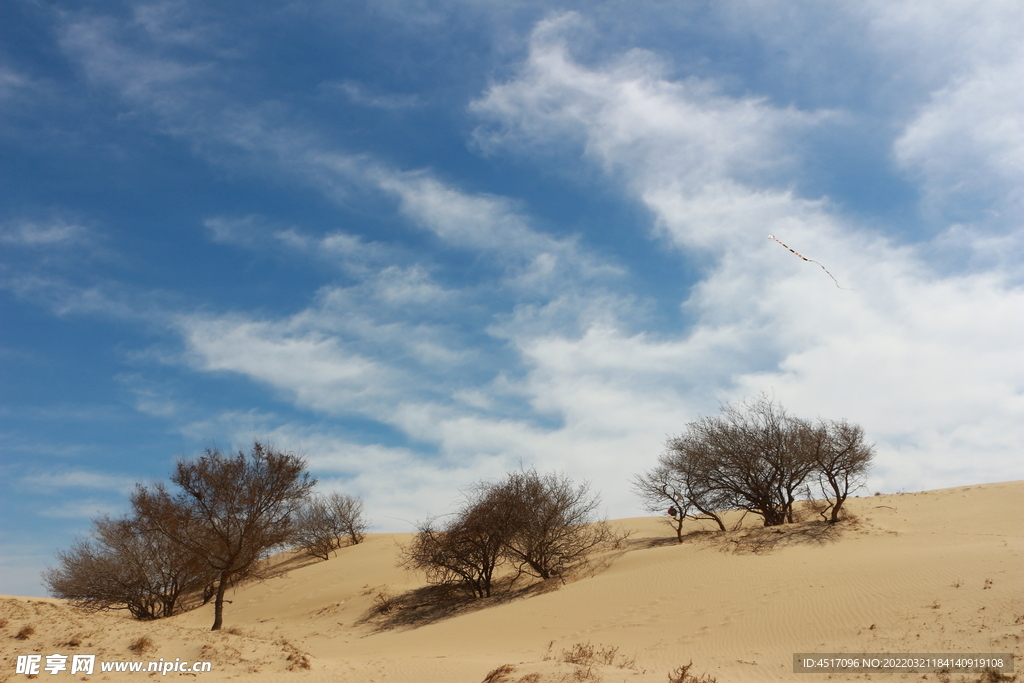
[(809, 260)]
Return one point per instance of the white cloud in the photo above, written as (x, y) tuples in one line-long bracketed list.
[(358, 93), (317, 369), (967, 142), (51, 233), (923, 361), (139, 78), (79, 479)]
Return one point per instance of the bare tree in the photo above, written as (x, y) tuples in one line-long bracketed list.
[(322, 524), (124, 566), (662, 490), (755, 457), (555, 526), (679, 487), (842, 460), (348, 511), (753, 454), (466, 549), (543, 525), (231, 511)]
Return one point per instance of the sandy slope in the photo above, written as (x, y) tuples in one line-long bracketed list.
[(939, 571)]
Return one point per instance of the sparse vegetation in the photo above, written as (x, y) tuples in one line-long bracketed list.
[(589, 655), (500, 674), (26, 632), (323, 524), (541, 525), (297, 659), (231, 510), (127, 565), (755, 457), (142, 644), (384, 601), (682, 675)]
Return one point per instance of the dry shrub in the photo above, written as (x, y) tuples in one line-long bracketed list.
[(142, 644), (580, 653), (384, 601), (235, 631), (585, 673), (26, 631), (586, 654), (297, 659), (682, 675), (500, 674), (76, 640), (3, 623)]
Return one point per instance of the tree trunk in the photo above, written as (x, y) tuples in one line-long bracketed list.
[(218, 605), (835, 508)]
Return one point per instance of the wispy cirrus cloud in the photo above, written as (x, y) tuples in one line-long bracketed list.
[(43, 234), (79, 479), (772, 314), (581, 378), (358, 93)]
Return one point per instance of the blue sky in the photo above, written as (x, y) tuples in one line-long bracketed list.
[(423, 242)]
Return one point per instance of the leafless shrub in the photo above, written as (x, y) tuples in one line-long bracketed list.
[(3, 623), (682, 675), (585, 672), (384, 601), (543, 525), (841, 461), (324, 521), (587, 654), (755, 457), (232, 511), (580, 653), (500, 674), (297, 659), (677, 488), (142, 644), (465, 549), (554, 524), (26, 632), (126, 565)]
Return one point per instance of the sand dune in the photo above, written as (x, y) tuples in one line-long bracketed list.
[(939, 571)]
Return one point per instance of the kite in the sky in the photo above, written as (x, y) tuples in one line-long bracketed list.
[(772, 237)]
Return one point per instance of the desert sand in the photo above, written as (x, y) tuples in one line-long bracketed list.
[(938, 571)]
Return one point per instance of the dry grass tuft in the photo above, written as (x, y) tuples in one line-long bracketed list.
[(297, 659), (26, 631), (500, 674), (682, 675), (384, 601), (142, 644), (588, 655)]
